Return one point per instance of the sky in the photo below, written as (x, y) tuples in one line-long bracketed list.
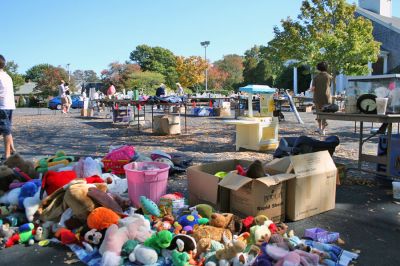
[(90, 34)]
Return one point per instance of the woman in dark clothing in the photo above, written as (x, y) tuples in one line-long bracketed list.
[(321, 86)]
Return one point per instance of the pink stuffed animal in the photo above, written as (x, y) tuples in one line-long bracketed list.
[(135, 227)]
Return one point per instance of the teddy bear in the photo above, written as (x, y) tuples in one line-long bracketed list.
[(216, 230), (27, 167), (7, 177), (74, 196)]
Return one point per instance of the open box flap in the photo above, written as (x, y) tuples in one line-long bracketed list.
[(275, 179), (312, 164), (234, 181), (278, 166)]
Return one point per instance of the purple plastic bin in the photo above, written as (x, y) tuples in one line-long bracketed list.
[(321, 235)]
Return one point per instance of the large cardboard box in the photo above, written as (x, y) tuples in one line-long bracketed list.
[(203, 184), (313, 191), (261, 196), (167, 124)]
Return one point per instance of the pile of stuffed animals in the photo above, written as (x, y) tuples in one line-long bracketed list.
[(77, 204)]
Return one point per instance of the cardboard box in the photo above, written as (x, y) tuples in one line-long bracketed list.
[(313, 191), (203, 185), (261, 196), (167, 125)]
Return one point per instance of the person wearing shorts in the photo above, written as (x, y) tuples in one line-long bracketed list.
[(7, 105)]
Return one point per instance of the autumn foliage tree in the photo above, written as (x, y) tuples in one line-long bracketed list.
[(119, 74), (49, 79), (232, 65), (217, 77), (190, 70)]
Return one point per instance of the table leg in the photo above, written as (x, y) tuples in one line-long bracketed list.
[(152, 117), (144, 113), (389, 148), (138, 118), (360, 145), (185, 118), (355, 126)]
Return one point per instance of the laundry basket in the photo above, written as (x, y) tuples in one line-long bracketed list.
[(151, 183)]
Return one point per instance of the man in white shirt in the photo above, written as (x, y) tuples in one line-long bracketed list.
[(7, 105)]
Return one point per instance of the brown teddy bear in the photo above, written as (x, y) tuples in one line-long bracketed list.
[(227, 220), (74, 196), (216, 230), (7, 176), (16, 160)]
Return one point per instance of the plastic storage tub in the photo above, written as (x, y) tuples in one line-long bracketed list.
[(150, 183)]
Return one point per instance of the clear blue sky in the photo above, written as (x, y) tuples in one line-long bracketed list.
[(89, 34)]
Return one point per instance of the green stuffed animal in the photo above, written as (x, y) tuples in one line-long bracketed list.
[(25, 234), (159, 241), (59, 159), (180, 258)]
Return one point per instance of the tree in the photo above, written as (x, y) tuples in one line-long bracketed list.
[(156, 59), (50, 79), (119, 74), (146, 81), (327, 30), (18, 79), (85, 76), (36, 72), (233, 66), (260, 66), (217, 78), (190, 70)]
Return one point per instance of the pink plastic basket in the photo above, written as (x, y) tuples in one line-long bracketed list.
[(149, 183)]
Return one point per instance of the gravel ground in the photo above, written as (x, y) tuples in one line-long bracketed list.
[(365, 214)]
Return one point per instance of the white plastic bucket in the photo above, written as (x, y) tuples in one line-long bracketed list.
[(381, 105), (396, 190)]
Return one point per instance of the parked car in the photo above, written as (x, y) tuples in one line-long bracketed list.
[(55, 103)]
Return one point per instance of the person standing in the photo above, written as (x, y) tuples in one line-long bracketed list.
[(68, 97), (160, 92), (63, 96), (180, 91), (7, 105), (321, 87), (111, 90)]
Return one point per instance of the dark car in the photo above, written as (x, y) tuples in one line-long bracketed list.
[(55, 103)]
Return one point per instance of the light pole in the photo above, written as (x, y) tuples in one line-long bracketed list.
[(69, 77), (205, 44)]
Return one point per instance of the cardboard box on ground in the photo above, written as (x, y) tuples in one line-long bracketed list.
[(313, 190), (298, 187)]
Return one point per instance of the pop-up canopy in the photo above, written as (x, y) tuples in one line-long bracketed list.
[(256, 89), (253, 89)]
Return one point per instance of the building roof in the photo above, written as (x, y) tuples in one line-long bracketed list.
[(27, 88), (392, 23)]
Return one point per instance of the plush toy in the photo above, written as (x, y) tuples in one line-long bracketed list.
[(149, 207), (143, 255), (296, 257), (16, 161), (31, 205), (131, 228), (204, 210), (53, 180), (7, 176), (158, 241), (105, 199), (92, 238), (6, 231), (188, 220), (230, 250), (101, 218), (87, 167), (26, 233), (115, 184), (41, 233), (74, 196), (66, 236), (212, 232), (255, 170), (183, 243), (165, 223), (260, 233), (53, 163), (28, 190), (6, 210), (180, 258), (11, 197), (246, 259)]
